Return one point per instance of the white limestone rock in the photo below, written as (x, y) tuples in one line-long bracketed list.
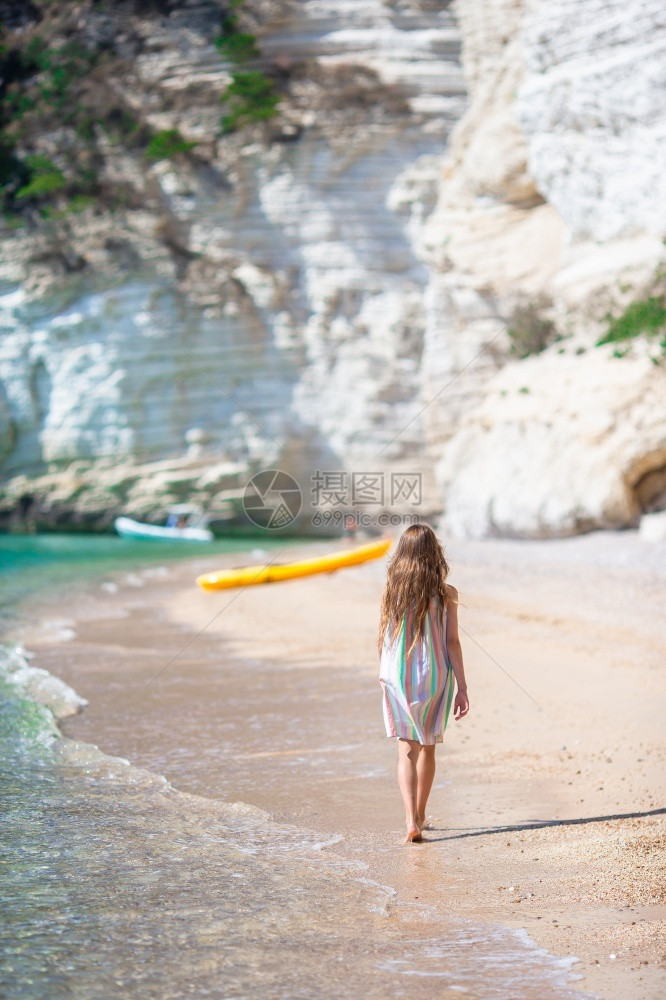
[(548, 107), (591, 106), (560, 444), (652, 527), (336, 292)]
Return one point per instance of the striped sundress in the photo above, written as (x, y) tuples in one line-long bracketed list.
[(417, 692)]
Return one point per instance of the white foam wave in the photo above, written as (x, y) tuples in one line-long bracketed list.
[(38, 684)]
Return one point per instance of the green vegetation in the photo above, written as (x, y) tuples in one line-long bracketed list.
[(647, 316), (45, 178), (58, 68), (643, 317), (167, 144), (251, 98), (41, 84), (55, 93), (237, 46), (52, 84)]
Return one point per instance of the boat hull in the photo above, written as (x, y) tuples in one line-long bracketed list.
[(128, 528), (252, 575)]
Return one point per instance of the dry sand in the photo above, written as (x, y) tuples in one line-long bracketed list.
[(272, 698)]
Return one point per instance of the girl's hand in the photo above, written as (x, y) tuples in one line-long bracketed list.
[(461, 705)]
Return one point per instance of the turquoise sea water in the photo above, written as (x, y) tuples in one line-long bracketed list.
[(31, 563)]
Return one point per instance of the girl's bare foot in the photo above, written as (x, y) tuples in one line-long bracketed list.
[(424, 824), (413, 835)]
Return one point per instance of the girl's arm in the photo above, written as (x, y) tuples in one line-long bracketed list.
[(461, 704)]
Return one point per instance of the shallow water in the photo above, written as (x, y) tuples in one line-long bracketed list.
[(114, 883), (33, 563)]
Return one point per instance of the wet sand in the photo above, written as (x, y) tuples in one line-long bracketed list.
[(548, 804)]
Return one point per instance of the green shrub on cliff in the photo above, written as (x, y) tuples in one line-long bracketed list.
[(237, 46), (40, 91), (57, 92), (647, 316), (643, 317), (45, 178), (49, 72), (167, 144), (251, 97), (54, 91)]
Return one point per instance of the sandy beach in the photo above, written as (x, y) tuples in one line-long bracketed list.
[(548, 809)]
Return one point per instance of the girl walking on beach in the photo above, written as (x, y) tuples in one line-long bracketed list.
[(420, 655)]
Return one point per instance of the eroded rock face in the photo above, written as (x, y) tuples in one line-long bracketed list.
[(591, 107), (552, 449), (547, 198), (333, 290), (269, 293)]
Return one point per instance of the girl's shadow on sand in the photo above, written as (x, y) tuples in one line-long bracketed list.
[(536, 824)]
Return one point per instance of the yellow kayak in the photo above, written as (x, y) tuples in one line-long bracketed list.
[(306, 567)]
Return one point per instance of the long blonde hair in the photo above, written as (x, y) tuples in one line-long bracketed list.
[(416, 573)]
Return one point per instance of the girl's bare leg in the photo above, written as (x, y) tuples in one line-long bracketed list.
[(408, 756), (425, 773)]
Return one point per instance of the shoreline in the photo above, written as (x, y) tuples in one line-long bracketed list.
[(614, 913), (202, 827)]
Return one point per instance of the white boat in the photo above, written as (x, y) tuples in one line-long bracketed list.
[(127, 527)]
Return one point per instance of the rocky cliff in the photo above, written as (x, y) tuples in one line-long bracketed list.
[(552, 210), (406, 267)]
